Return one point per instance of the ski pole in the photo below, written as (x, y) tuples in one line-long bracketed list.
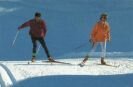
[(105, 44), (15, 38), (38, 49), (83, 45), (80, 46)]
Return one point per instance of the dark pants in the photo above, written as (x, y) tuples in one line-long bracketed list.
[(43, 44)]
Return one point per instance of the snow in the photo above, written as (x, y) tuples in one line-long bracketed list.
[(4, 78), (69, 22), (40, 72)]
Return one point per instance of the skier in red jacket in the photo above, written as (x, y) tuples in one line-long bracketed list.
[(37, 32)]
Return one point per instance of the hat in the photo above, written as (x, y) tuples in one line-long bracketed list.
[(37, 14), (103, 15)]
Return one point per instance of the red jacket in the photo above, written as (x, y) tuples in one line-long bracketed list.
[(37, 29)]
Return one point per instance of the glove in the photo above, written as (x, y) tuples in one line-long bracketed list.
[(90, 41), (19, 28)]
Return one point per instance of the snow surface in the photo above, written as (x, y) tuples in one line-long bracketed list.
[(46, 74)]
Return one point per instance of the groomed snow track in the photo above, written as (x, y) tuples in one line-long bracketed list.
[(6, 77)]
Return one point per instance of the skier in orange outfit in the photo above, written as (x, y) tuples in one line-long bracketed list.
[(100, 35)]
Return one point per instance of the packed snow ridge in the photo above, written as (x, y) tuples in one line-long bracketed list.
[(14, 71)]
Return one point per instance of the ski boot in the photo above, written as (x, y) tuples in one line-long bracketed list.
[(51, 59), (102, 61), (33, 59), (84, 61), (81, 64)]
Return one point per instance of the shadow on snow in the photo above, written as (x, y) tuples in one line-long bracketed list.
[(78, 81)]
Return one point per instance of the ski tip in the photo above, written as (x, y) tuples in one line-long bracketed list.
[(81, 65), (28, 62)]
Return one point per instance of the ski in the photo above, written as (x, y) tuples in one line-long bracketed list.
[(33, 63), (108, 65), (57, 62), (82, 64), (47, 62)]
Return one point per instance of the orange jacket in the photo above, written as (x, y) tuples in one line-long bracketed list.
[(100, 32)]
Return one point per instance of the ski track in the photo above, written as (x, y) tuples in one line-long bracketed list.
[(9, 74), (2, 83)]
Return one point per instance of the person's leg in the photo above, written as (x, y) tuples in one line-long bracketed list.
[(42, 42), (103, 53), (88, 55), (34, 49)]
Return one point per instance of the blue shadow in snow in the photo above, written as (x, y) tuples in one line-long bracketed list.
[(78, 81)]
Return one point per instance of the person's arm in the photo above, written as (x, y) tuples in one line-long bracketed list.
[(44, 28), (93, 33), (26, 24)]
